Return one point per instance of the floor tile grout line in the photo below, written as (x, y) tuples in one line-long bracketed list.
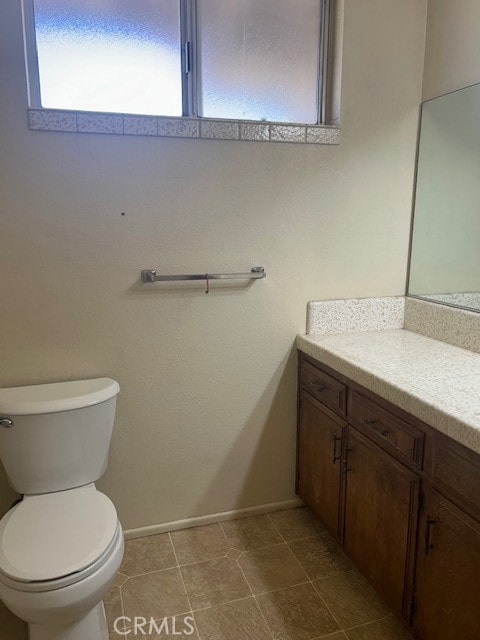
[(275, 545), (149, 573), (330, 635), (176, 566), (196, 626), (266, 546), (330, 611), (186, 564), (290, 586), (255, 599), (190, 564), (241, 551), (352, 569), (298, 562), (309, 536), (310, 580), (365, 624), (343, 629), (273, 591), (270, 631), (224, 532), (327, 607), (180, 572), (276, 528), (221, 604), (245, 577), (121, 603), (293, 552), (220, 524)]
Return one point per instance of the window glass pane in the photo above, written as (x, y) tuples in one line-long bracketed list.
[(259, 59), (110, 55)]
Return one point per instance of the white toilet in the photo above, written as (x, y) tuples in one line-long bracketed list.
[(62, 545)]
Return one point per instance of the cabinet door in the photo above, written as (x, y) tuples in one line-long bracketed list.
[(381, 510), (448, 572), (319, 460)]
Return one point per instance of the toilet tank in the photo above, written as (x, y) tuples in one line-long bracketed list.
[(56, 436)]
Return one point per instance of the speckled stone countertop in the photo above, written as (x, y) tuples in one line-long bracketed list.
[(434, 381)]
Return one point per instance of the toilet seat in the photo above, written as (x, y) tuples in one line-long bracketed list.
[(52, 540), (73, 578)]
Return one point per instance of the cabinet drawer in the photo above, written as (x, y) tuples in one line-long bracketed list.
[(456, 471), (323, 387), (391, 433)]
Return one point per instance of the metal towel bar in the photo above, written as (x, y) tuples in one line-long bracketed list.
[(150, 275)]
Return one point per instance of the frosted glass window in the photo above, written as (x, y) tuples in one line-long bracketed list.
[(259, 59), (110, 55)]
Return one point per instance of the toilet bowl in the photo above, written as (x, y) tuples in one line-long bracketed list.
[(60, 548)]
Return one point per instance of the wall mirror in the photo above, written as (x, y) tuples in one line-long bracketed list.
[(445, 244)]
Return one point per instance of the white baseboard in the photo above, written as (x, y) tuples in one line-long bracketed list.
[(210, 519)]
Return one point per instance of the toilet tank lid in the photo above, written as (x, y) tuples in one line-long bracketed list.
[(56, 396)]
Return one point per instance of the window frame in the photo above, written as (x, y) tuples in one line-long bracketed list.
[(321, 132)]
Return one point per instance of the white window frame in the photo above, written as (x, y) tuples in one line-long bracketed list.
[(41, 118)]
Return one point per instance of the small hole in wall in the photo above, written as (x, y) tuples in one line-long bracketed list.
[(123, 213)]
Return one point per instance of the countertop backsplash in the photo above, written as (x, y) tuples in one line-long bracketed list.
[(457, 327), (355, 314)]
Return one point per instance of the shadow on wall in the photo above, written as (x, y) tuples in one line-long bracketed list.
[(7, 495), (275, 403)]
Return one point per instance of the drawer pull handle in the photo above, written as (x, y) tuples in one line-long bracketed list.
[(318, 386), (374, 425), (428, 536), (335, 456), (346, 468)]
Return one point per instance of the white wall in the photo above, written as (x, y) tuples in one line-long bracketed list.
[(206, 418), (452, 50)]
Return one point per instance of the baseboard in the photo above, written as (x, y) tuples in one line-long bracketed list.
[(211, 519)]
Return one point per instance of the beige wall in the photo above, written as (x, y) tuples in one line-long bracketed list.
[(452, 50), (206, 417)]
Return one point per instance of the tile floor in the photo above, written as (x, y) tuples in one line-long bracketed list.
[(270, 577)]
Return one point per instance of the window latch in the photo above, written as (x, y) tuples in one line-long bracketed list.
[(187, 57)]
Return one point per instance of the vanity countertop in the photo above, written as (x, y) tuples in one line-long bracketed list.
[(432, 380)]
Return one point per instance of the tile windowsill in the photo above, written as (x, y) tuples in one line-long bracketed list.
[(193, 128)]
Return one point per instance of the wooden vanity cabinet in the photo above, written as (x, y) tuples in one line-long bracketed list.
[(320, 441), (403, 499), (381, 498), (447, 586)]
